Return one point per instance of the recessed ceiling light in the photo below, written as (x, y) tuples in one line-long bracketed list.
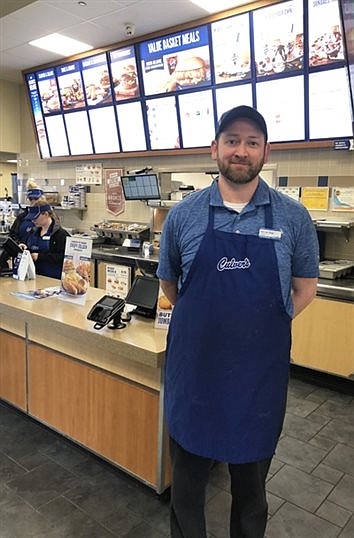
[(214, 7), (60, 44), (82, 3)]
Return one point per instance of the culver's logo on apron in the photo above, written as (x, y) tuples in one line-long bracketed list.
[(226, 264)]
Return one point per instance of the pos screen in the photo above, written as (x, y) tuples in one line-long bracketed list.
[(143, 294)]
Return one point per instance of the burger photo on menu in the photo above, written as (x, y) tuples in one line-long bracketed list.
[(190, 70)]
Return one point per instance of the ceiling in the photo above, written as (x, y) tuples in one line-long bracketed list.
[(99, 23)]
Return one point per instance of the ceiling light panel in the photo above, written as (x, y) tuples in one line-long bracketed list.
[(62, 45)]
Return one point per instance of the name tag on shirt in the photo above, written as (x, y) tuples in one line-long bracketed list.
[(266, 233), (45, 237)]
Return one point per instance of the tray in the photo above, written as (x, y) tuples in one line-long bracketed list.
[(122, 230), (333, 269)]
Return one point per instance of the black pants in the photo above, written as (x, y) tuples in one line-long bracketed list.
[(190, 475)]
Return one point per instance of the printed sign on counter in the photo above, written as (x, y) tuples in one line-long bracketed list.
[(315, 198), (343, 199), (76, 271), (163, 311), (118, 278)]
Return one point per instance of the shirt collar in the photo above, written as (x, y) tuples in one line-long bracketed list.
[(260, 197)]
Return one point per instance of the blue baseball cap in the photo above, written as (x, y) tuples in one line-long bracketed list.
[(238, 113), (35, 211), (34, 193)]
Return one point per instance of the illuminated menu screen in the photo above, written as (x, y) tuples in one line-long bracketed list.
[(176, 62), (329, 101), (167, 93)]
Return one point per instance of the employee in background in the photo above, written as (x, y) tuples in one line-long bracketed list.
[(22, 224), (46, 240), (239, 260)]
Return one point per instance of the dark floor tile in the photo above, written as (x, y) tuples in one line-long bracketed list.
[(9, 469), (274, 503), (80, 525), (300, 488), (335, 514), (327, 473), (19, 520), (321, 394), (341, 458), (65, 453), (43, 484), (299, 454), (293, 522), (300, 428), (340, 430), (144, 530), (337, 410), (299, 407), (343, 493), (320, 441), (275, 466), (220, 477), (299, 388), (348, 531), (122, 521), (57, 509), (102, 498)]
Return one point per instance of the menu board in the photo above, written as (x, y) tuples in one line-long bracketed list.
[(281, 102), (176, 62), (70, 86), (96, 79), (124, 73), (231, 49), (325, 36), (279, 38), (162, 121), (167, 93), (197, 119), (104, 130), (329, 104)]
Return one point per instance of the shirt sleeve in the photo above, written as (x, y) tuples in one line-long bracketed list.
[(305, 262), (169, 267)]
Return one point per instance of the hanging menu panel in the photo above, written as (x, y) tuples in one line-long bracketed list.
[(124, 74), (131, 127), (231, 49), (281, 102), (78, 130), (162, 121), (37, 116), (96, 79), (104, 130), (279, 38), (70, 86), (176, 62), (329, 104), (197, 119), (325, 37), (57, 136), (48, 91), (231, 96)]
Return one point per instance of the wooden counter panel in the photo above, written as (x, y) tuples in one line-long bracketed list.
[(13, 370), (323, 337), (113, 417)]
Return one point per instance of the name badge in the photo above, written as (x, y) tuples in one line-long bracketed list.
[(270, 234), (45, 237)]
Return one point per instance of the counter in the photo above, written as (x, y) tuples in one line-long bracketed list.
[(101, 388)]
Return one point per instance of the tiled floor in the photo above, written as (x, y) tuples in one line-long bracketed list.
[(50, 488)]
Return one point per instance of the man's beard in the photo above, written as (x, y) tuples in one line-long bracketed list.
[(240, 177)]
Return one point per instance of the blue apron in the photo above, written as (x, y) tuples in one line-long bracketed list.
[(228, 350), (25, 229), (39, 244)]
